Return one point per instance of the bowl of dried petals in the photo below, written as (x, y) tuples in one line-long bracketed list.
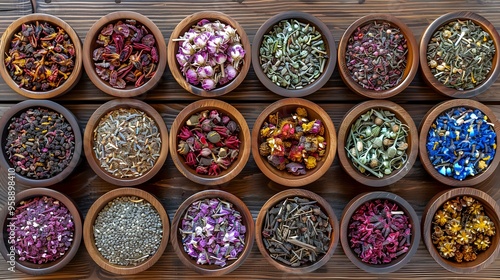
[(212, 140), (209, 54), (41, 231), (293, 142), (459, 228), (125, 54), (212, 232), (380, 232), (41, 56)]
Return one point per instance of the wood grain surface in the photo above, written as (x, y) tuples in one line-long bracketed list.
[(250, 98)]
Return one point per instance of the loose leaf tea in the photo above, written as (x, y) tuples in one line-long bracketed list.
[(296, 232), (127, 231), (209, 142), (44, 230), (461, 229), (40, 143), (212, 232), (379, 232), (461, 143), (376, 56), (210, 53), (293, 54), (127, 143), (127, 54), (293, 142), (41, 56), (460, 54)]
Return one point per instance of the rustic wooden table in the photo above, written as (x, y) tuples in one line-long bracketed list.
[(251, 97)]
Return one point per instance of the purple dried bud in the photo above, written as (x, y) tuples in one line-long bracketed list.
[(215, 44), (296, 168), (208, 84), (200, 41), (220, 58), (186, 48), (237, 52), (230, 72), (200, 58), (205, 72), (192, 76), (182, 59), (205, 152), (232, 126), (206, 125)]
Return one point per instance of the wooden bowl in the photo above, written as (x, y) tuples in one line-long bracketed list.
[(404, 206), (426, 37), (425, 126), (29, 267), (17, 110), (173, 47), (90, 44), (286, 107), (330, 48), (325, 207), (14, 28), (212, 269), (244, 136), (491, 209), (412, 57), (88, 140), (88, 229), (352, 116)]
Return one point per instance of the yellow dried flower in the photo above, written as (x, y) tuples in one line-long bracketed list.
[(482, 242), (273, 118), (310, 162), (481, 223), (459, 256), (449, 207), (468, 200), (264, 149), (266, 132), (301, 112), (464, 237), (447, 250), (476, 208), (453, 227), (287, 144), (441, 217), (307, 126)]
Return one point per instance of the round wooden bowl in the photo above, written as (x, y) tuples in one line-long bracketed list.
[(88, 231), (29, 267), (325, 207), (90, 45), (173, 47), (17, 110), (212, 269), (286, 107), (412, 57), (54, 21), (425, 126), (352, 116), (243, 135), (88, 140), (404, 206), (330, 49), (426, 37), (491, 209)]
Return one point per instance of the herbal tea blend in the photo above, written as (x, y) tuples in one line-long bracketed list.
[(209, 142), (127, 231), (296, 232), (377, 143), (40, 143), (293, 142), (293, 54), (462, 230), (460, 54), (127, 143), (212, 232), (461, 143), (44, 230), (379, 232), (41, 56), (376, 56), (126, 54), (210, 53)]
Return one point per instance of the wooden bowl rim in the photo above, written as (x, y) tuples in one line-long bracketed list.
[(173, 46), (427, 74), (282, 176), (412, 56), (323, 203), (213, 270), (77, 69), (435, 203), (425, 125), (22, 106), (329, 66), (357, 202), (351, 116), (94, 120), (56, 265), (130, 90), (244, 151), (95, 209)]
